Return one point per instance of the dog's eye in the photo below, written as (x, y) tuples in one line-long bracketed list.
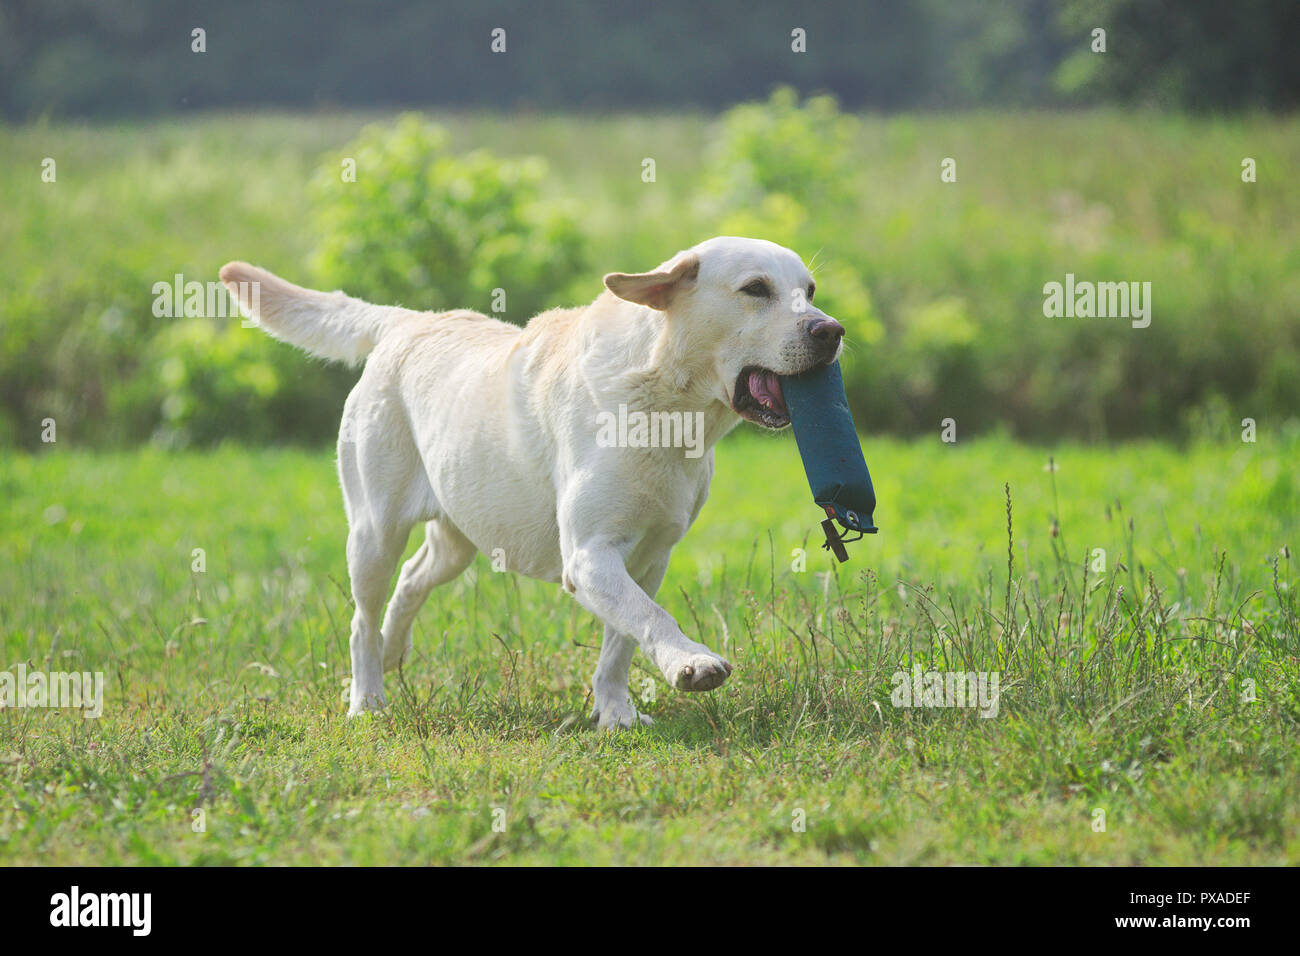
[(758, 289), (812, 289)]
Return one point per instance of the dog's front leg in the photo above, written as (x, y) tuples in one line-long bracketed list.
[(595, 574), (612, 705)]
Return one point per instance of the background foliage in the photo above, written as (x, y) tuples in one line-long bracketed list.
[(434, 230), (939, 284), (97, 57)]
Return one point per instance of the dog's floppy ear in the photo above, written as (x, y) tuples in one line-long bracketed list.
[(655, 289)]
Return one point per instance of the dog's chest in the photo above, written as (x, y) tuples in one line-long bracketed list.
[(665, 497)]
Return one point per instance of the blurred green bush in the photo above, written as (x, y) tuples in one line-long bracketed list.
[(429, 229), (420, 226)]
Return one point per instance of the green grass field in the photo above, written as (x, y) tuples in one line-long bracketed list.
[(1148, 711)]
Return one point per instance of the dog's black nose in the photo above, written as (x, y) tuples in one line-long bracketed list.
[(826, 329)]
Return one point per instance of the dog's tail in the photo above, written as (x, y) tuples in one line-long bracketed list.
[(329, 325)]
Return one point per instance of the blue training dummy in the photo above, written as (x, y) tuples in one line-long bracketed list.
[(832, 457)]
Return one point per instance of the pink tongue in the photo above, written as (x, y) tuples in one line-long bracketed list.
[(766, 387)]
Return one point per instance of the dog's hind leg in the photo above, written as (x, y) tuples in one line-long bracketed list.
[(385, 493), (444, 554), (373, 553)]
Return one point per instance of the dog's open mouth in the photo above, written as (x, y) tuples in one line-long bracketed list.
[(758, 398)]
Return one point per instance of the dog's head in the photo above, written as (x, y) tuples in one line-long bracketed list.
[(744, 309)]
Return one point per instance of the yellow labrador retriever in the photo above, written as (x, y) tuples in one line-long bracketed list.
[(516, 441)]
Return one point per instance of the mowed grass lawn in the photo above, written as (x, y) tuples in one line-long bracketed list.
[(1148, 711)]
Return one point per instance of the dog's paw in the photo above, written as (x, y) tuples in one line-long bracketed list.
[(701, 672), (367, 705), (613, 715)]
